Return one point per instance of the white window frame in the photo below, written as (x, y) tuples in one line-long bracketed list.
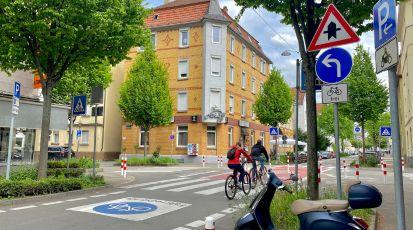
[(140, 139), (82, 142), (261, 86), (180, 37), (262, 136), (243, 80), (230, 136), (253, 80), (177, 103), (265, 68), (54, 137), (231, 74), (177, 135), (232, 44), (215, 137), (254, 63), (219, 36), (210, 99), (244, 53), (212, 60), (187, 70), (156, 39), (231, 104), (243, 108)]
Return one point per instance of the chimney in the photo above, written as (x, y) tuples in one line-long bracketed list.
[(225, 9)]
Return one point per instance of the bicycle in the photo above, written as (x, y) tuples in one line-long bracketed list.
[(231, 184), (260, 176), (334, 90)]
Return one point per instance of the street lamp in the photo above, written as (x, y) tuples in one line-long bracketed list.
[(287, 53)]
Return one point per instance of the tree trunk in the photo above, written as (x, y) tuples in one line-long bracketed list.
[(363, 138), (342, 145), (44, 139), (145, 143)]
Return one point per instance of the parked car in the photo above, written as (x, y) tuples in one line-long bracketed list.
[(58, 152), (332, 154), (324, 154)]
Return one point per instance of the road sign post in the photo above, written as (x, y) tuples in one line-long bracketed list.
[(14, 112), (384, 25), (78, 108)]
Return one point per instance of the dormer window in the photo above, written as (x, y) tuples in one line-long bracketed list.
[(155, 17)]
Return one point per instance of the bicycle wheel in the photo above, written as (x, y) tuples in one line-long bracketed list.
[(230, 187), (246, 184), (254, 177)]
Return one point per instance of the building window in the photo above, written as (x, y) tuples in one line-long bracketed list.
[(182, 102), (216, 66), (262, 66), (142, 141), (231, 74), (261, 86), (211, 137), (244, 53), (253, 85), (216, 34), (183, 38), (215, 99), (253, 60), (231, 104), (243, 108), (262, 136), (85, 137), (244, 80), (182, 140), (252, 137), (56, 137), (232, 44), (252, 115), (153, 40), (183, 69), (230, 136)]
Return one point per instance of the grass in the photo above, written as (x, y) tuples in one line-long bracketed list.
[(150, 161)]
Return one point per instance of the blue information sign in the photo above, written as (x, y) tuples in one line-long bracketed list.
[(334, 65), (79, 105), (384, 23), (318, 82), (274, 131), (357, 129), (385, 131), (125, 208), (79, 133), (16, 92)]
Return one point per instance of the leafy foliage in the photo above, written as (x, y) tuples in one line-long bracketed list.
[(153, 161), (326, 123), (373, 129), (322, 140), (274, 102)]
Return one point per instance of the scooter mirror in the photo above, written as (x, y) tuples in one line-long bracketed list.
[(294, 178)]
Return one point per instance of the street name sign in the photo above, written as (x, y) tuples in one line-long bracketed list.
[(79, 105), (384, 23), (385, 131), (334, 65), (334, 93), (274, 131), (16, 98), (334, 30)]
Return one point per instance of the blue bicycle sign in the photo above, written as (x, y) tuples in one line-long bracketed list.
[(125, 208)]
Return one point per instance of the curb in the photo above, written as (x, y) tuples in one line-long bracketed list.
[(373, 221)]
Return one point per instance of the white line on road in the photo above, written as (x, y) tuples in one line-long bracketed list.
[(52, 203), (24, 207), (211, 191), (217, 216), (147, 171), (229, 210), (101, 195), (151, 183), (118, 192), (186, 188), (76, 199), (174, 184), (181, 228), (195, 174), (2, 211), (196, 224)]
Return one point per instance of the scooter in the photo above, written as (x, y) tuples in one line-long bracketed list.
[(313, 215)]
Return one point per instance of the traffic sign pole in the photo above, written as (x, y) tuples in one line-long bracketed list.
[(337, 151), (11, 134), (69, 147), (14, 111)]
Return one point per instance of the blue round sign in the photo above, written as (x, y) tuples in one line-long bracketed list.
[(334, 65), (357, 129), (125, 208)]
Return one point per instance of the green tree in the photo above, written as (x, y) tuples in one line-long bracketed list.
[(144, 96), (373, 130), (53, 36), (325, 122), (368, 97), (305, 17), (322, 141), (274, 102)]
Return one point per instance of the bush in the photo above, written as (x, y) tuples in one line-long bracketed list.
[(23, 172), (157, 152), (63, 172), (153, 161), (84, 162), (344, 155), (367, 161)]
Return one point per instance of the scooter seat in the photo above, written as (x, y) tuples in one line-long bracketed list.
[(301, 206)]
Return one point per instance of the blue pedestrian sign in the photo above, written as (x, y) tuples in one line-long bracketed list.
[(79, 105), (79, 133), (384, 23), (385, 131), (125, 208), (334, 65), (274, 131)]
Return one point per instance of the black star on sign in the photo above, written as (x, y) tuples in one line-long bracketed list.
[(332, 30)]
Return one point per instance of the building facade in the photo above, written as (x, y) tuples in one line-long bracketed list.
[(405, 74), (216, 69)]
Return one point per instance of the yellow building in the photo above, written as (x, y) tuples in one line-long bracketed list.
[(216, 69), (405, 74)]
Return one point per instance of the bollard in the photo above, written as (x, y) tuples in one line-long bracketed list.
[(203, 160), (381, 163), (345, 168), (319, 174), (124, 167), (402, 164), (384, 172), (321, 163), (357, 172), (221, 161), (218, 161), (121, 165), (209, 223), (288, 164)]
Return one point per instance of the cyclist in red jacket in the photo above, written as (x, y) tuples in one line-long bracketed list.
[(235, 164)]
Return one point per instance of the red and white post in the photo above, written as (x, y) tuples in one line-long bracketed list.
[(218, 161), (384, 172), (203, 160), (124, 167), (381, 163), (221, 161), (209, 223), (357, 171), (319, 174), (345, 168), (121, 165), (402, 164), (288, 164)]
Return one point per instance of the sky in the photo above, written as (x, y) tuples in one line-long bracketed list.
[(277, 37)]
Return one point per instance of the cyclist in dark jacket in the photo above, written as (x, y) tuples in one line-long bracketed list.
[(256, 152)]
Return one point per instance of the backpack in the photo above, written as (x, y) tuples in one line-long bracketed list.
[(231, 153), (256, 151)]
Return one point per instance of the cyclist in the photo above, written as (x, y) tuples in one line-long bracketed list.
[(235, 164), (256, 152)]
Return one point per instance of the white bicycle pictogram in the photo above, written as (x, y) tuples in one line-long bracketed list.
[(125, 207)]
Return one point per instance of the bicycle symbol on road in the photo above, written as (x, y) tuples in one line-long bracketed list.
[(334, 90), (125, 208), (386, 58)]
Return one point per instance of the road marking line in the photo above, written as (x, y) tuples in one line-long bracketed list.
[(76, 199), (211, 191), (186, 188), (329, 175), (151, 183), (174, 184), (118, 192), (217, 216), (101, 195), (181, 228), (147, 171), (24, 207), (195, 174), (229, 210), (2, 211), (196, 224), (52, 203)]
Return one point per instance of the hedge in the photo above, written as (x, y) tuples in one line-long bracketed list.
[(72, 172), (83, 162), (30, 173), (153, 161)]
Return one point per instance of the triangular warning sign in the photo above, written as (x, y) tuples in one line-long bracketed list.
[(334, 30), (79, 107), (385, 132)]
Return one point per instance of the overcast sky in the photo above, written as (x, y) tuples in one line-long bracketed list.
[(277, 37)]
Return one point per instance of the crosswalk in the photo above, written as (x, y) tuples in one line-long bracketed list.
[(408, 175)]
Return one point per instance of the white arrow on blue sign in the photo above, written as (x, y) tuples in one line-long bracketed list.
[(274, 131), (334, 65), (384, 24), (385, 131)]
